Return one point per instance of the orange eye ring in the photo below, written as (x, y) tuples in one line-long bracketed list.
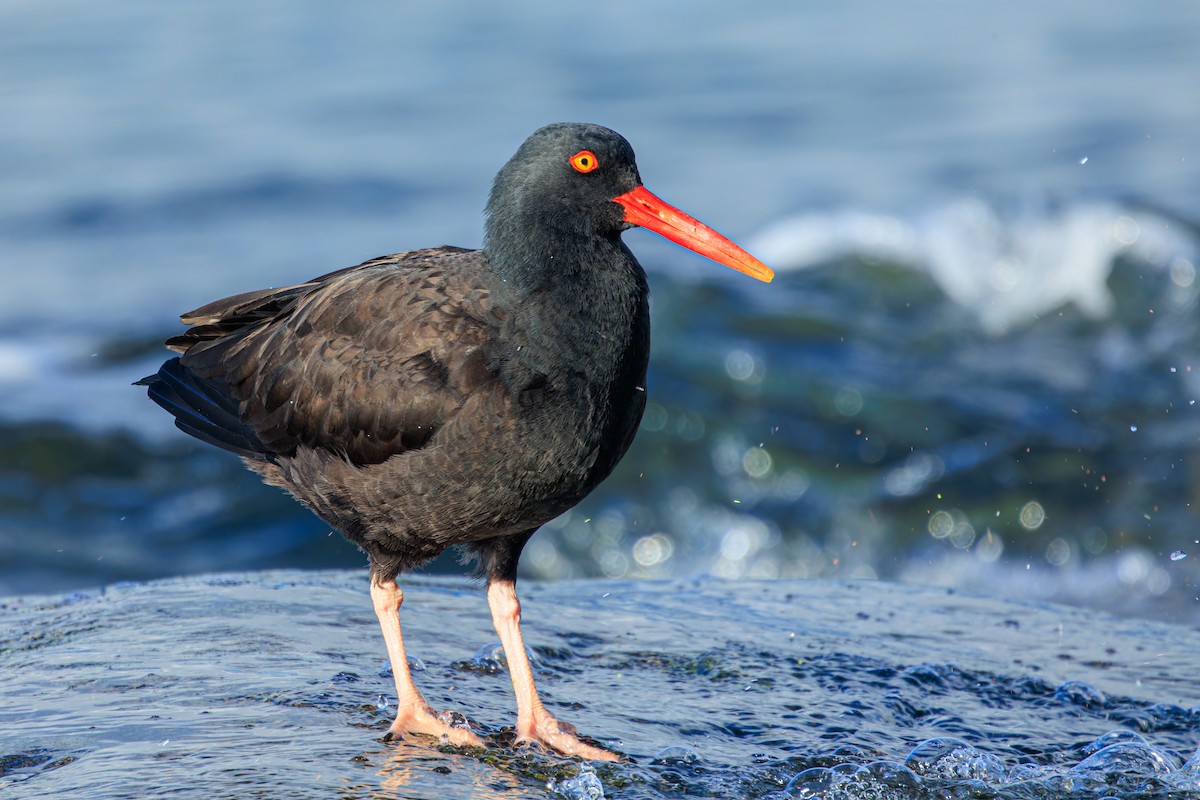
[(584, 161)]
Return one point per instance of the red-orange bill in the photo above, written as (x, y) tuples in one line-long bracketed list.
[(644, 209)]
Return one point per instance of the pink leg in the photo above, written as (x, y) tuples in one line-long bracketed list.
[(413, 714), (534, 722)]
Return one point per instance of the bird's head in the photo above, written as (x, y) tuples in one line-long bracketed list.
[(571, 181)]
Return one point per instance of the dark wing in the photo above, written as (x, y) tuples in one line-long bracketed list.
[(365, 362)]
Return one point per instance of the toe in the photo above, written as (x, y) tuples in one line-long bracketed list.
[(563, 738), (449, 725)]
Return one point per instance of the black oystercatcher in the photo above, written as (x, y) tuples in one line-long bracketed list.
[(447, 396)]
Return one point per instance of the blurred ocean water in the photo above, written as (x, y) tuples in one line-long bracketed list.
[(978, 365)]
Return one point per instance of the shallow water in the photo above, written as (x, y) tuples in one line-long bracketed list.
[(272, 685)]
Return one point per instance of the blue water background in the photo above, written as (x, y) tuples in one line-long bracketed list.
[(983, 217)]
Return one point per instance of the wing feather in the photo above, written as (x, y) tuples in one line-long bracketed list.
[(366, 362)]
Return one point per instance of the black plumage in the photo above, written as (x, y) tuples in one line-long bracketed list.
[(446, 396)]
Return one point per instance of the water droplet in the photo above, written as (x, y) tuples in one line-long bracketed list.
[(941, 524), (652, 550), (678, 755), (381, 703), (1083, 160), (1058, 552), (1032, 515), (954, 759), (814, 782), (1178, 555), (584, 786), (1111, 738), (1119, 760), (1080, 694), (1133, 428), (756, 462)]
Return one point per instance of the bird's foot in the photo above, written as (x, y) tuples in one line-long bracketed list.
[(450, 726), (562, 737)]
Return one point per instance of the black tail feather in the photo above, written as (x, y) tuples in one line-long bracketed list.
[(201, 409)]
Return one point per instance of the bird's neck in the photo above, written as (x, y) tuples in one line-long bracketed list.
[(531, 251), (534, 253), (579, 297)]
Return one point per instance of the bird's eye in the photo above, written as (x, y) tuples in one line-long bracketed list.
[(584, 161)]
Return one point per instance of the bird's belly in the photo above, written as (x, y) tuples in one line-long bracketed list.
[(494, 476), (538, 468)]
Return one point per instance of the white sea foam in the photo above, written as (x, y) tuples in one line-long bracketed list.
[(1008, 267)]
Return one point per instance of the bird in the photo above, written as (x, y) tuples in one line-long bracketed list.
[(451, 397)]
